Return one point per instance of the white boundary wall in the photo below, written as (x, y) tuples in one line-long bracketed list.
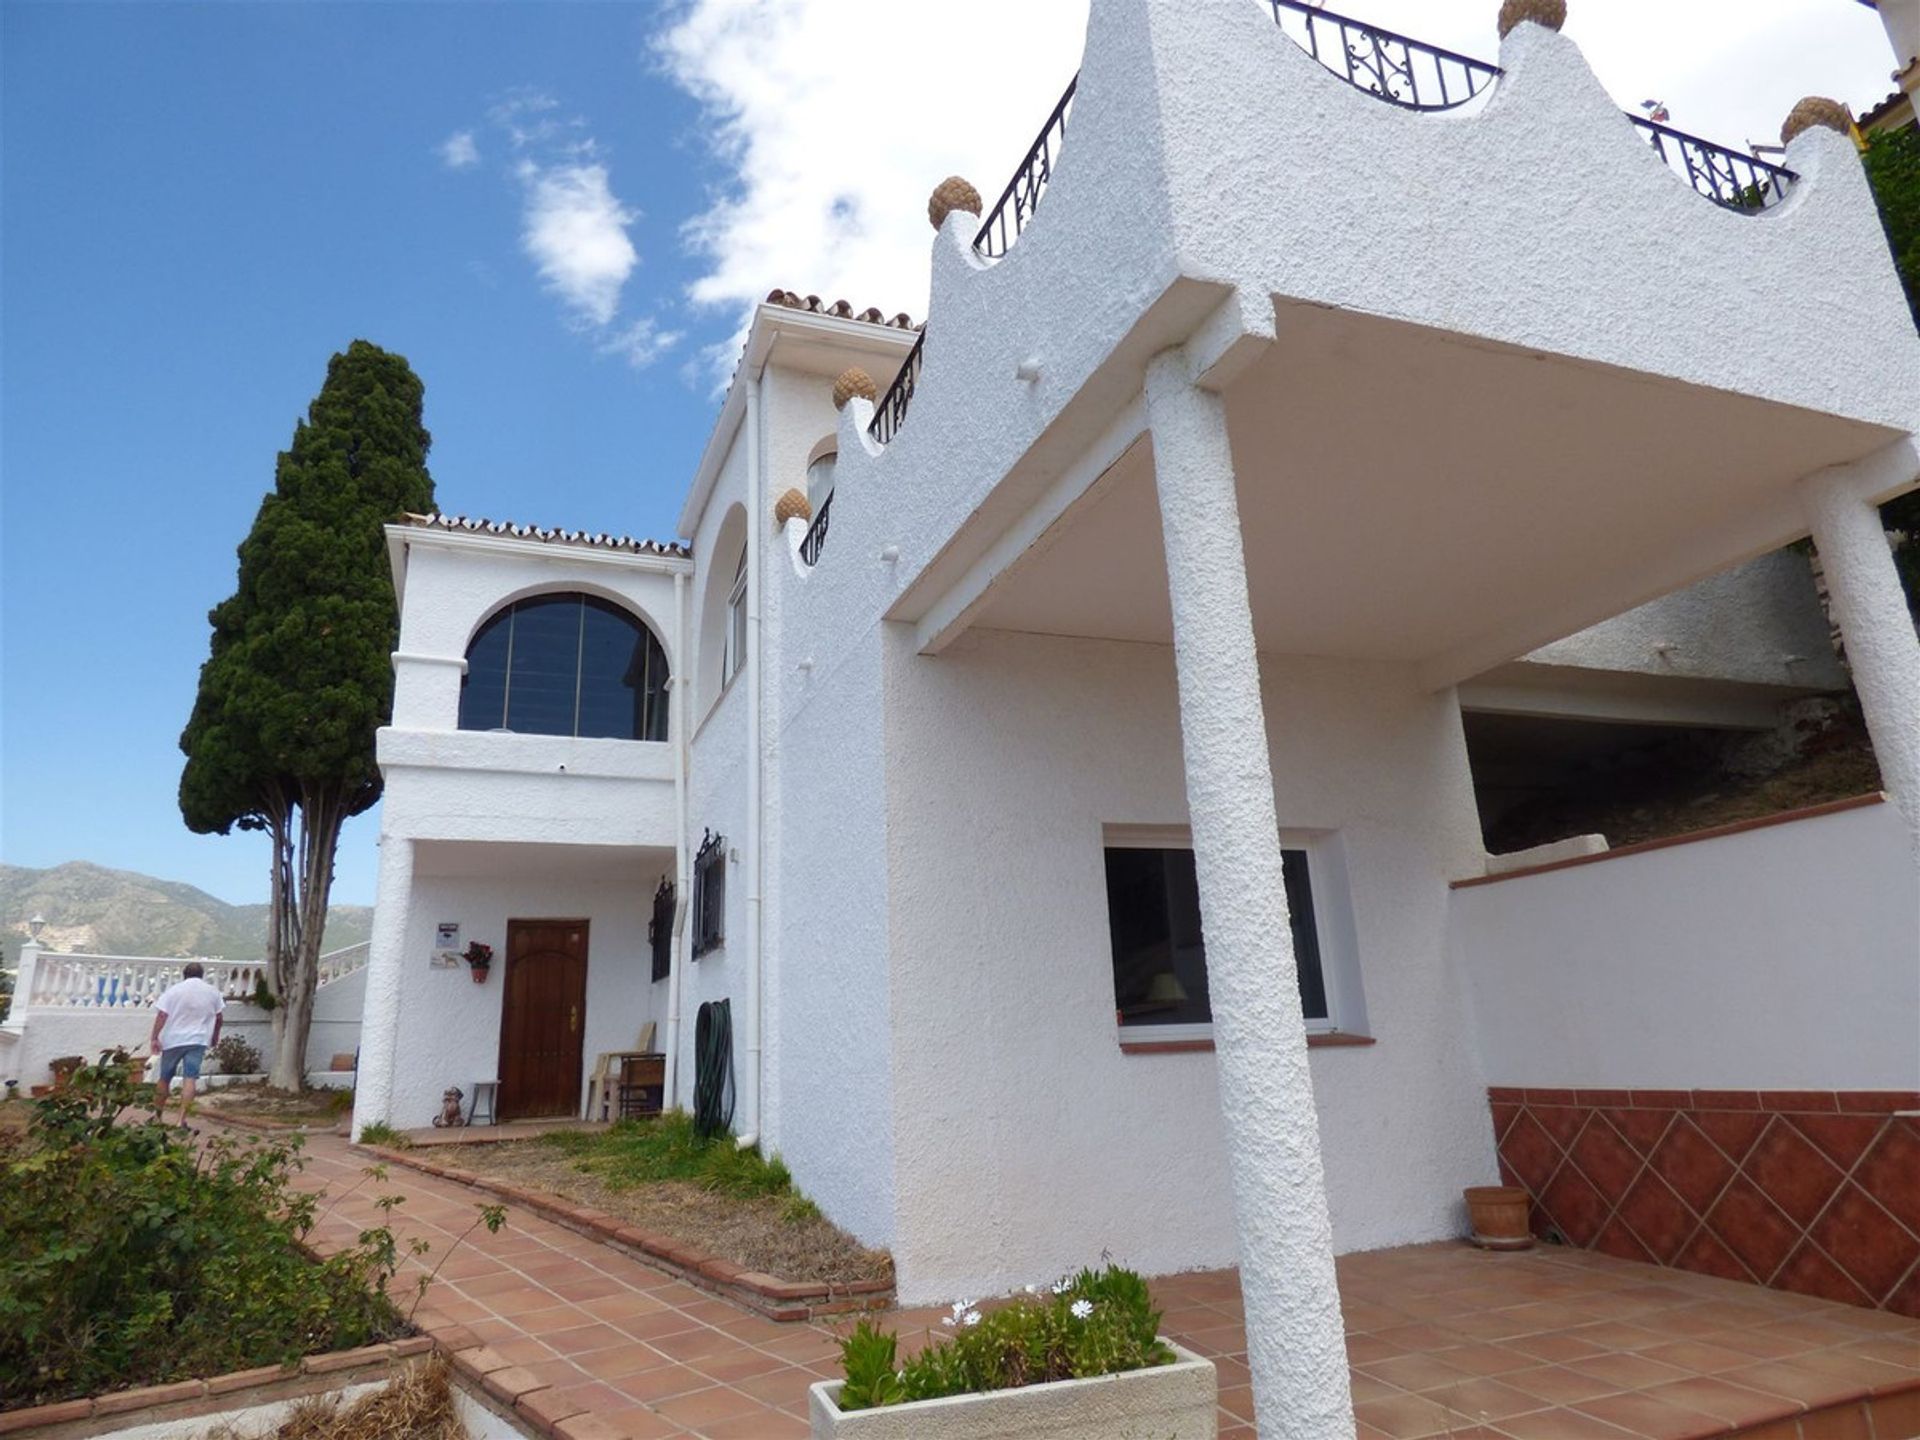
[(1783, 957)]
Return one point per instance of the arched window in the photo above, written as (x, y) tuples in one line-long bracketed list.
[(566, 665), (734, 659), (820, 478)]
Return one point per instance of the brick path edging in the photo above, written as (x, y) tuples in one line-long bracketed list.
[(186, 1399), (777, 1299)]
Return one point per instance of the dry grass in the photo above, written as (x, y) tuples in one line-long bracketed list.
[(767, 1233), (260, 1101), (415, 1405)]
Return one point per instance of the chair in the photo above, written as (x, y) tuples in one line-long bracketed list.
[(483, 1091)]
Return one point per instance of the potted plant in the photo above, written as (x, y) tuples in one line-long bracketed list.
[(1082, 1360), (479, 958)]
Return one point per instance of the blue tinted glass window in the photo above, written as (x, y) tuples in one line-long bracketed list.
[(545, 664), (566, 665), (483, 693)]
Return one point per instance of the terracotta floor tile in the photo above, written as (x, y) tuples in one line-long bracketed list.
[(1736, 1404), (630, 1358), (1484, 1399), (580, 1339), (1485, 1359), (1557, 1346), (1628, 1371), (1238, 1402), (663, 1382), (1405, 1417), (732, 1366), (1794, 1381), (759, 1425), (639, 1423), (1416, 1372), (701, 1408), (1558, 1385), (698, 1344), (1700, 1356), (1640, 1414), (1561, 1425), (777, 1386)]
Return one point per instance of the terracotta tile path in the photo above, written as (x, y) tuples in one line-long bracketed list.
[(1444, 1340)]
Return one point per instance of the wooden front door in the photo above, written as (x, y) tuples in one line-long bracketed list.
[(543, 1018)]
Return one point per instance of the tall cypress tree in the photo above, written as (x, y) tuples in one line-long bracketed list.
[(299, 674)]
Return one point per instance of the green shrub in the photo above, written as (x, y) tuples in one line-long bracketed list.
[(378, 1132), (236, 1056), (128, 1257), (1094, 1323)]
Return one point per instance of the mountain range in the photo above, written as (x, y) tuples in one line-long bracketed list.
[(93, 910)]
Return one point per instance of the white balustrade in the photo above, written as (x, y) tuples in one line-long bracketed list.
[(134, 982)]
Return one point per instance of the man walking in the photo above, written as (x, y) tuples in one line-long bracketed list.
[(186, 1021)]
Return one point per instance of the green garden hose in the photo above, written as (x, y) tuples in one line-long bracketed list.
[(713, 1069)]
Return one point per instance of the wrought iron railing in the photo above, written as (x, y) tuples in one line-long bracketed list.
[(1727, 177), (1015, 207), (893, 405), (1383, 63), (816, 535), (1397, 68)]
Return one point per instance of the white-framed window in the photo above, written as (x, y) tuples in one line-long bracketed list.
[(1159, 960), (733, 656)]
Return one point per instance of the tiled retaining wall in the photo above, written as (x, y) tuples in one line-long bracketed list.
[(1814, 1191)]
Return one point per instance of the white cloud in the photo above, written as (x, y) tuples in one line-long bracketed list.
[(838, 120), (835, 120), (573, 227), (575, 231), (640, 343), (459, 152)]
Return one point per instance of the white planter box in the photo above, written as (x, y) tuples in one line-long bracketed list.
[(1168, 1402)]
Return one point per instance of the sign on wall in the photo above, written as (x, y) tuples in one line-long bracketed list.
[(446, 945)]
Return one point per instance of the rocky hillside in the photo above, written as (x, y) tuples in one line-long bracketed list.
[(92, 909)]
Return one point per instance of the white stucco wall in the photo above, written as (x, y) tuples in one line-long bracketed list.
[(1785, 957), (1761, 622), (835, 1037), (1025, 1141), (450, 1027)]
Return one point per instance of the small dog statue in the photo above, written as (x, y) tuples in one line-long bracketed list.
[(449, 1115)]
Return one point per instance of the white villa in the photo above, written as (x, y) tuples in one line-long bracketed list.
[(1307, 390)]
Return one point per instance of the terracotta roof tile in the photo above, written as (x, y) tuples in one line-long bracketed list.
[(841, 308), (596, 541)]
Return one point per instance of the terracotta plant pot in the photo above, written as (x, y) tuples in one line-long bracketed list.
[(479, 973), (1498, 1215)]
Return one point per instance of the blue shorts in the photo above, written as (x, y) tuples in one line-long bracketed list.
[(182, 1058)]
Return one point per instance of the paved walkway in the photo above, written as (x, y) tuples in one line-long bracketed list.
[(1445, 1340)]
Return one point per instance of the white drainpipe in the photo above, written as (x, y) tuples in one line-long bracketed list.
[(681, 695), (749, 1134)]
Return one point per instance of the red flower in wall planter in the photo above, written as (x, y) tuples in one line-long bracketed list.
[(479, 959)]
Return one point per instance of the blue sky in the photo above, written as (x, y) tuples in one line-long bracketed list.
[(202, 203)]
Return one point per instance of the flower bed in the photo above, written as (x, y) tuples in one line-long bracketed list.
[(129, 1256), (708, 1196), (1083, 1361)]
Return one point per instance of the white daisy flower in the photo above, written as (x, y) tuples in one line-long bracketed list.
[(973, 1317), (1081, 1309), (1059, 1287)]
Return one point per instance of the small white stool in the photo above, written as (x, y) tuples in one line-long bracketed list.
[(483, 1090)]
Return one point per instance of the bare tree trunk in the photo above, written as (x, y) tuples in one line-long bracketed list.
[(300, 918)]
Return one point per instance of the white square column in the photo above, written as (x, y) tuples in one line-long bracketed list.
[(1296, 1344), (1870, 606), (380, 1010)]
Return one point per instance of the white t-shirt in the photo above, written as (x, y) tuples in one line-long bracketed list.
[(191, 1007)]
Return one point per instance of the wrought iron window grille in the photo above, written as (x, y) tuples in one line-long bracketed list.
[(709, 894), (660, 929)]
